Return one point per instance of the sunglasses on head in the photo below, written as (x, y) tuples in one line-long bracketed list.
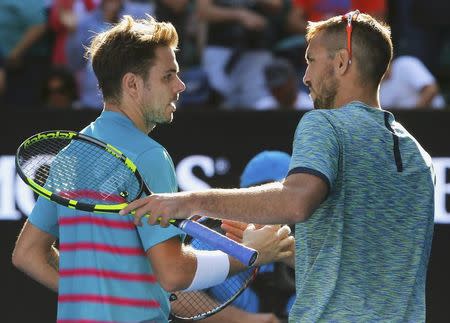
[(348, 17)]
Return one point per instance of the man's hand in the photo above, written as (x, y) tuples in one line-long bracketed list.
[(235, 229), (159, 208), (251, 20), (273, 242)]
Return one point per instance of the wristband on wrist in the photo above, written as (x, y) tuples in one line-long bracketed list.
[(212, 269)]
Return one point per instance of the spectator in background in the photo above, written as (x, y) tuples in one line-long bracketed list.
[(22, 29), (63, 20), (283, 84), (269, 297), (316, 10), (421, 29), (60, 89), (408, 84), (107, 13), (177, 12), (291, 43), (238, 47)]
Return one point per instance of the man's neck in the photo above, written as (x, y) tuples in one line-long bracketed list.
[(133, 114), (364, 95)]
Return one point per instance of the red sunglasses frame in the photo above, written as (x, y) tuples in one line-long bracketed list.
[(349, 28)]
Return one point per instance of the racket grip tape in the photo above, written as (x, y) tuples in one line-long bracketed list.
[(244, 254)]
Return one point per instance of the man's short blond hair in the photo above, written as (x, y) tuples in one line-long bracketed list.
[(371, 43), (128, 46)]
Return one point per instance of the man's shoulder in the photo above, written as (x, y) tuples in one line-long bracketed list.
[(140, 145), (324, 115), (131, 142)]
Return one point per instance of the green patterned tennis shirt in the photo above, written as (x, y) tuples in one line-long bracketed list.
[(362, 256)]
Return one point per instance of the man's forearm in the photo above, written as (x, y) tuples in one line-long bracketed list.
[(427, 95), (42, 268), (211, 13), (31, 36), (266, 204)]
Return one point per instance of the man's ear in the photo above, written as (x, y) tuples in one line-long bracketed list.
[(342, 61), (131, 83)]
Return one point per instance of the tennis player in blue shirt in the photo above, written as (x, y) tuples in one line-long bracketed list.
[(106, 269)]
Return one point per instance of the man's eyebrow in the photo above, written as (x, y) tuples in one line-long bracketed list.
[(172, 70)]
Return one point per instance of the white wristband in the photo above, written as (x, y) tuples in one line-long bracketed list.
[(212, 269)]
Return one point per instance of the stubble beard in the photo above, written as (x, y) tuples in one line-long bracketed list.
[(327, 97), (153, 118)]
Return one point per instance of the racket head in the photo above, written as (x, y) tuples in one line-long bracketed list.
[(78, 171), (198, 305)]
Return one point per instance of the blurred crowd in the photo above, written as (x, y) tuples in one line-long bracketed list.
[(234, 54)]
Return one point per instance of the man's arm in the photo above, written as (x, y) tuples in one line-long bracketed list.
[(35, 255), (211, 13), (235, 231), (29, 38), (76, 42), (427, 95), (291, 201), (175, 264)]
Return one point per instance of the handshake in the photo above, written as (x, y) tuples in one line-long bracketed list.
[(273, 242)]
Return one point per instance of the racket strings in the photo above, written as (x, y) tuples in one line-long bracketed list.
[(80, 171), (194, 304), (191, 305)]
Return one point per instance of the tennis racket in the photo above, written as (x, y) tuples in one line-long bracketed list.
[(84, 173), (197, 305)]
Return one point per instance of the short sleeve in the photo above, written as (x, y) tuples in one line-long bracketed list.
[(45, 216), (315, 148), (157, 170)]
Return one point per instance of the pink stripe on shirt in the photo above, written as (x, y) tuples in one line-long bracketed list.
[(130, 251), (107, 274), (89, 298), (64, 221)]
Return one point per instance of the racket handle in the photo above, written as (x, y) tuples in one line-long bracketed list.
[(244, 254)]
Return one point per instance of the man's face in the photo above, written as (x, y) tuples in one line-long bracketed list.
[(320, 76), (161, 89)]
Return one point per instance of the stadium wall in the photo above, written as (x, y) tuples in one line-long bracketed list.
[(209, 149)]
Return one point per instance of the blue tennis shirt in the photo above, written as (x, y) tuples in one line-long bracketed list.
[(362, 255), (105, 275)]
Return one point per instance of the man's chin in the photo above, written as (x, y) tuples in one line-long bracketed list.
[(166, 121)]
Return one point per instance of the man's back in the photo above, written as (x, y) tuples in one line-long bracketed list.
[(379, 211)]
